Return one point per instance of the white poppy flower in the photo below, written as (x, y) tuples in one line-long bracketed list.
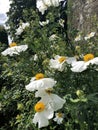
[(44, 112), (80, 66), (39, 82), (58, 62), (92, 34), (14, 49), (43, 5), (21, 28), (59, 118), (54, 100)]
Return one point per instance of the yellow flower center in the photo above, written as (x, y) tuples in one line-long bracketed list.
[(59, 114), (61, 59), (88, 57), (13, 44), (39, 76), (49, 90), (39, 107)]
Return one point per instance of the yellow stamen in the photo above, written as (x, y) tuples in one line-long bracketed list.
[(39, 76), (88, 57), (12, 44), (59, 114), (61, 59), (39, 107)]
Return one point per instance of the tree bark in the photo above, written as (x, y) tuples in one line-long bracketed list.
[(84, 15)]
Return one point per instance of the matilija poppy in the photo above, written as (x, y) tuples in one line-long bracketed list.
[(44, 112), (39, 82), (59, 62), (14, 49), (80, 66), (90, 35), (43, 5), (54, 100)]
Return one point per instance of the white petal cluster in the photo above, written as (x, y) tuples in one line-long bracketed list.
[(80, 66), (43, 83), (43, 88), (14, 50), (90, 35), (56, 64), (21, 28), (43, 5), (59, 118), (54, 100)]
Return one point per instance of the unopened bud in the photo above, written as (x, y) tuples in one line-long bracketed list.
[(79, 93)]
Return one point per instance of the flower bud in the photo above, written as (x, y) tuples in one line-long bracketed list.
[(79, 93), (20, 106)]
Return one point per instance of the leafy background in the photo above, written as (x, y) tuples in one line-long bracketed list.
[(17, 104)]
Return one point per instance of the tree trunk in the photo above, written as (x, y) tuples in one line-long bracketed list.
[(84, 15)]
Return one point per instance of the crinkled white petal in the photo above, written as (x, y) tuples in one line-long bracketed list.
[(42, 117), (47, 2), (79, 66), (56, 64), (94, 61), (21, 28), (41, 84), (41, 6), (56, 57), (57, 101), (58, 120), (41, 93), (48, 112), (41, 120), (9, 51), (70, 60), (54, 100), (32, 79), (14, 50)]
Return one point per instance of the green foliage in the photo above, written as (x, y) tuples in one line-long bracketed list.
[(3, 36), (80, 90)]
